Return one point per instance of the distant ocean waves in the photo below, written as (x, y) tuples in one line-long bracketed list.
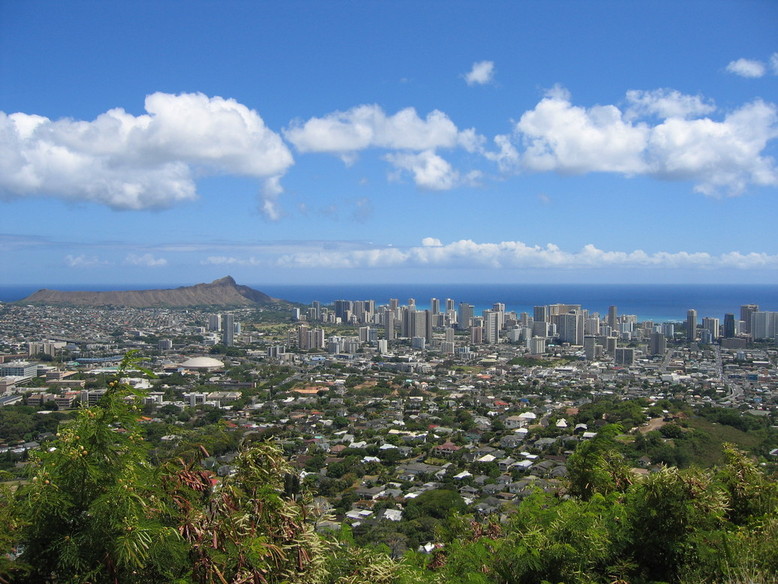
[(660, 303)]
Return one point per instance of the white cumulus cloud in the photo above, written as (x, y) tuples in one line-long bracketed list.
[(666, 103), (411, 140), (137, 162), (481, 73), (467, 253), (146, 260), (368, 126), (720, 156), (569, 139), (747, 68), (83, 261), (429, 171)]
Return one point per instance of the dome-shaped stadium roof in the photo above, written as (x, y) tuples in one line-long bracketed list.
[(202, 363)]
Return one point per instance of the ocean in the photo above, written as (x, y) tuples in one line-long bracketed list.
[(657, 302)]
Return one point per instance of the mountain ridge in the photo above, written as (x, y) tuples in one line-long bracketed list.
[(221, 292)]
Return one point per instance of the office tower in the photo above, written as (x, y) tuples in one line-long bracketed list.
[(450, 304), (691, 324), (343, 310), (570, 327), (215, 322), (764, 325), (434, 305), (415, 323), (537, 345), (465, 318), (729, 326), (711, 325), (389, 324), (541, 314), (613, 317), (405, 322), (303, 341), (745, 315), (317, 338), (590, 347), (358, 310), (491, 326), (540, 329), (228, 332), (657, 344), (624, 356), (592, 325)]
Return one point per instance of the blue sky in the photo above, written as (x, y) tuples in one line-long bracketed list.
[(323, 142)]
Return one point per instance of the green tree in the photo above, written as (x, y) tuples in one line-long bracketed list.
[(597, 466), (91, 512), (254, 527)]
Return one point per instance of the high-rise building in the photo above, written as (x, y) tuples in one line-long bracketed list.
[(343, 310), (434, 305), (590, 347), (570, 327), (450, 305), (624, 356), (712, 326), (537, 345), (491, 326), (215, 322), (465, 318), (389, 324), (691, 324), (228, 330), (729, 326), (657, 344), (540, 314), (764, 325), (746, 310), (613, 317)]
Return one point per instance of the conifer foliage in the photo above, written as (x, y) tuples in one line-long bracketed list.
[(95, 511)]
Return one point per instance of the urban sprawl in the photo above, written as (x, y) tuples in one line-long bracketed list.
[(375, 405)]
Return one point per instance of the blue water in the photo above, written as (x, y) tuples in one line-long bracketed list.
[(657, 302)]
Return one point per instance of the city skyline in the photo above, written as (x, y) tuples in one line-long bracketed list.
[(388, 142)]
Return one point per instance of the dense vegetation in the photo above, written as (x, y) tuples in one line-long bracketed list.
[(95, 509)]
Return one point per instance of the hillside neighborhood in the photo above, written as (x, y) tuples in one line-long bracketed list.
[(373, 423)]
